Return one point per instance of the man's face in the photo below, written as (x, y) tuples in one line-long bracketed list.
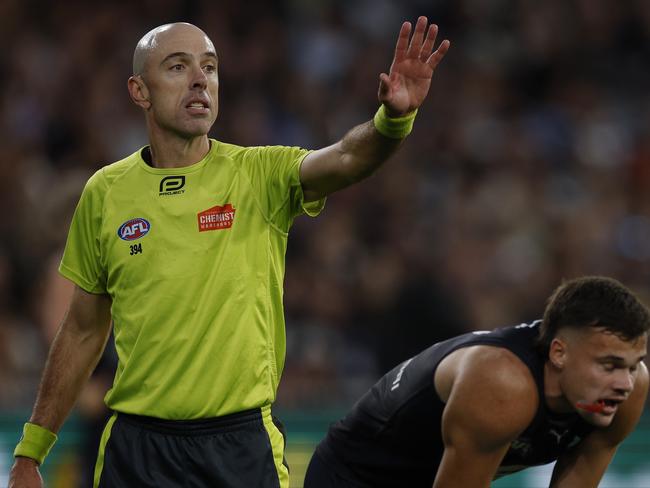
[(181, 78), (599, 369)]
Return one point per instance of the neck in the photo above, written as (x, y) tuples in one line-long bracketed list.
[(173, 152), (553, 396)]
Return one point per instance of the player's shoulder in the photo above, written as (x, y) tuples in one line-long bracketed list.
[(496, 379), (497, 368), (494, 393)]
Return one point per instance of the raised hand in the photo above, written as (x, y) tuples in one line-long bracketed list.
[(406, 86)]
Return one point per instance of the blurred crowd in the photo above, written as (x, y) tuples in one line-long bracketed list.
[(529, 163)]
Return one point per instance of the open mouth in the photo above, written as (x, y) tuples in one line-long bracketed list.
[(609, 402), (604, 405), (198, 107)]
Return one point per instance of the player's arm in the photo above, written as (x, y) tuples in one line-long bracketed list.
[(74, 353), (492, 399), (364, 148), (586, 464)]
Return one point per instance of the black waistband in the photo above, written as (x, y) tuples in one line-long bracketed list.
[(197, 426)]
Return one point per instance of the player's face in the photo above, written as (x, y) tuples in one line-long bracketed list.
[(599, 372), (181, 77)]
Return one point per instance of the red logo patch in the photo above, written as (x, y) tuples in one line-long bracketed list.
[(216, 218)]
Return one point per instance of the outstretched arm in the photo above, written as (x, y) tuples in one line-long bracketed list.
[(74, 354), (586, 464), (363, 149)]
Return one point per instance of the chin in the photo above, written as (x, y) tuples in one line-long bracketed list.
[(195, 127), (196, 131), (599, 420)]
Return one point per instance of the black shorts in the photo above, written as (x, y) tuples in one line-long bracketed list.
[(242, 450)]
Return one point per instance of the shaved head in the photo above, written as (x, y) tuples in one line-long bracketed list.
[(151, 40)]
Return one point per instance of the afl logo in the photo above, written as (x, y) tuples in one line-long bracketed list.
[(133, 229)]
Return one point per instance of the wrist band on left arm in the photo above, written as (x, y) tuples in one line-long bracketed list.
[(394, 127), (35, 443)]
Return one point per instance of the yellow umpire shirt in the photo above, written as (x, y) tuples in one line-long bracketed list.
[(193, 259)]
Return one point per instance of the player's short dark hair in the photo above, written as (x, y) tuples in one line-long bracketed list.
[(593, 301)]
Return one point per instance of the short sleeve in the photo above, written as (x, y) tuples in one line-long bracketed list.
[(81, 262), (275, 172)]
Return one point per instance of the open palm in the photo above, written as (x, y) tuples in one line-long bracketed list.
[(406, 86)]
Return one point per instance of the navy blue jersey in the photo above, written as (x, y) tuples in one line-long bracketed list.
[(392, 437)]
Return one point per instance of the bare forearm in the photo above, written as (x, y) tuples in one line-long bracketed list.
[(364, 149), (585, 478), (455, 472), (361, 151), (582, 467), (72, 358)]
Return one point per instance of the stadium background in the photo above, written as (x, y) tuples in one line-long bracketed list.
[(529, 163)]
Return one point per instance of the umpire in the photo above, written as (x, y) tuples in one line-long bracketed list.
[(180, 247)]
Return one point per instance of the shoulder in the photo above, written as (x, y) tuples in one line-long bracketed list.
[(96, 185), (274, 152), (495, 368), (493, 393), (107, 175), (265, 161), (239, 155), (235, 150), (228, 149)]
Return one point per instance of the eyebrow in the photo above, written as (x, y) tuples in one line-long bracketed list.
[(618, 359), (182, 54)]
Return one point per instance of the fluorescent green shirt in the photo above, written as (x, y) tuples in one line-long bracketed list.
[(193, 259)]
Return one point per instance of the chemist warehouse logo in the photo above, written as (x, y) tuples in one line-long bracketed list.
[(216, 218), (171, 185), (133, 229)]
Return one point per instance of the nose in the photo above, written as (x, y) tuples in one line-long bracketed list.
[(624, 382), (199, 79)]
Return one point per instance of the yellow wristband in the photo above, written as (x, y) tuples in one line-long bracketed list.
[(35, 443), (394, 127)]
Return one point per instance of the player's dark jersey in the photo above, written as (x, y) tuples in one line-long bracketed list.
[(392, 436)]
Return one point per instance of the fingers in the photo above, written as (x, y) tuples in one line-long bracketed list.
[(418, 37), (429, 42), (402, 41), (420, 47), (438, 54)]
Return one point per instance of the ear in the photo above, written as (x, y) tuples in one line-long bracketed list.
[(139, 92), (557, 353)]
